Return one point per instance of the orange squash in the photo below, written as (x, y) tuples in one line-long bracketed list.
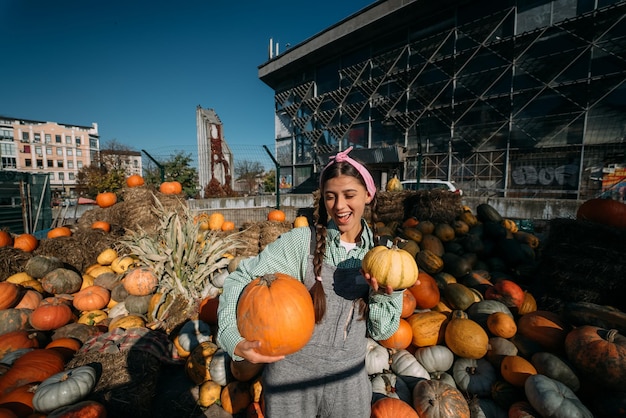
[(103, 225), (135, 180), (466, 338), (16, 340), (140, 281), (401, 339), (216, 220), (59, 231), (228, 226), (10, 295), (501, 325), (171, 187), (91, 297), (277, 310), (276, 215), (545, 328), (50, 317), (106, 199), (34, 366), (425, 291), (26, 242), (516, 369), (6, 240), (428, 328), (388, 407), (408, 304)]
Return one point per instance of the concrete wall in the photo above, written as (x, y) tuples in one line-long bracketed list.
[(536, 209)]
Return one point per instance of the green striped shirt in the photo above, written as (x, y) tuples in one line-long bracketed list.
[(289, 255)]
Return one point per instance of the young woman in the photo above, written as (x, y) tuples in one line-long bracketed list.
[(326, 378)]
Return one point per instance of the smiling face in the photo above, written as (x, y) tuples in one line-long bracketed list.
[(345, 198)]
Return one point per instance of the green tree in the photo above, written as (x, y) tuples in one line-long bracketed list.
[(249, 172), (176, 168), (107, 173), (269, 182)]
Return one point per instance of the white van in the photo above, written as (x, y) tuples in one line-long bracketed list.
[(430, 184)]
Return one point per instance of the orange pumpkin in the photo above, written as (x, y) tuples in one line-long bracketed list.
[(6, 240), (59, 231), (91, 297), (106, 199), (49, 317), (466, 338), (26, 242), (9, 295), (34, 366), (235, 397), (408, 304), (516, 369), (30, 300), (16, 340), (86, 409), (301, 221), (140, 281), (66, 346), (134, 180), (228, 226), (216, 220), (605, 211), (388, 407), (276, 215), (501, 325), (19, 401), (277, 310), (425, 291), (428, 328), (103, 225), (507, 292), (401, 339), (208, 309), (171, 187), (545, 328)]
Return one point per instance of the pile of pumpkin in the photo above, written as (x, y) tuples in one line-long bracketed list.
[(471, 341)]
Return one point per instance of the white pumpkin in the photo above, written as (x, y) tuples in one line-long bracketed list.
[(65, 388), (405, 365), (118, 310), (376, 357), (474, 377), (444, 378), (192, 333), (435, 358), (391, 386), (219, 368)]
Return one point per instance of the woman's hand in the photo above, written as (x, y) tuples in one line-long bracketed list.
[(248, 350), (374, 284)]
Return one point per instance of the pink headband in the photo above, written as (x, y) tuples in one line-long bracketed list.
[(343, 157)]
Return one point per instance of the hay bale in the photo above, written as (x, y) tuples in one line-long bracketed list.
[(134, 210), (12, 260), (582, 262), (79, 250), (250, 236), (270, 231)]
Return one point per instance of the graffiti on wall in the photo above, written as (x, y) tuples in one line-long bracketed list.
[(562, 176)]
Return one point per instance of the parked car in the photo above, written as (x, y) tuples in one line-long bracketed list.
[(430, 184)]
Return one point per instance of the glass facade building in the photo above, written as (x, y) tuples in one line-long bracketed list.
[(507, 98)]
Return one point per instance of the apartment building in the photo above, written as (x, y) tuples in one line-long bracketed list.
[(56, 149)]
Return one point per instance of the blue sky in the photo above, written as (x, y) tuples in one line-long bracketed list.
[(139, 68)]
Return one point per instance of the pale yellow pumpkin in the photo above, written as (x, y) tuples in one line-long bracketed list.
[(391, 267)]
